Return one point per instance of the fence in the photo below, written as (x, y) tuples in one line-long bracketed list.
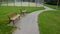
[(33, 3)]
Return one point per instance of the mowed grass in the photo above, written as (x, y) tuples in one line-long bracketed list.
[(4, 10), (49, 22), (53, 6)]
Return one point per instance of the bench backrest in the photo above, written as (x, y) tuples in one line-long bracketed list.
[(23, 10), (12, 14)]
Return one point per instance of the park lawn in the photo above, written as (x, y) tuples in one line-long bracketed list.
[(4, 10), (52, 6), (4, 29), (49, 22)]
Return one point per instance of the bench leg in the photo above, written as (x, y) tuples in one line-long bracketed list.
[(23, 13), (13, 23), (9, 21), (19, 17)]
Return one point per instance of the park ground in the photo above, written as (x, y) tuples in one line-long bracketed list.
[(4, 10), (48, 21)]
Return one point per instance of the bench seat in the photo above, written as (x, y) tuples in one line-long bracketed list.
[(15, 17)]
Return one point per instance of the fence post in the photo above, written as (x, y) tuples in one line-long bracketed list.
[(57, 4)]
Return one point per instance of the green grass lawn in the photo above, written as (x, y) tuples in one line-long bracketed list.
[(4, 29), (4, 10), (49, 22), (52, 6)]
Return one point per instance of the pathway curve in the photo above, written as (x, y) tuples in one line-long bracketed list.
[(29, 24)]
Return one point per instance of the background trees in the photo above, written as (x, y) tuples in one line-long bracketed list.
[(52, 2)]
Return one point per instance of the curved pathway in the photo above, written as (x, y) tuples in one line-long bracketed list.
[(29, 24)]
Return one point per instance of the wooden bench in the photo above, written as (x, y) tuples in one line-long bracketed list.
[(13, 16), (23, 11)]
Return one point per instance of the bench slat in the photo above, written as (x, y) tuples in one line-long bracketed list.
[(12, 14), (15, 17)]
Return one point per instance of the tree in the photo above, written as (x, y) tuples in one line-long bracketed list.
[(52, 2)]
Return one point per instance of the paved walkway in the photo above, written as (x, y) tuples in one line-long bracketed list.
[(28, 24)]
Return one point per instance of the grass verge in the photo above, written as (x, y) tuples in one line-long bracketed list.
[(49, 22), (53, 6)]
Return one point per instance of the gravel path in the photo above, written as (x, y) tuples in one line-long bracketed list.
[(28, 24)]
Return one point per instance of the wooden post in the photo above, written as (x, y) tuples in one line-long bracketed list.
[(7, 2), (14, 2), (1, 2), (57, 4), (29, 3), (43, 3), (36, 2), (21, 3)]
